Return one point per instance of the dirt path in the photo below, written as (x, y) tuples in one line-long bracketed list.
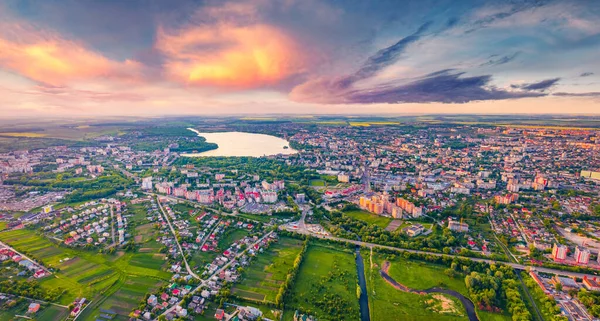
[(466, 302)]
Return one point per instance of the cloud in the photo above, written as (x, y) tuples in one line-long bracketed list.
[(586, 74), (587, 94), (538, 86), (230, 48), (445, 86), (46, 57), (493, 61), (387, 56)]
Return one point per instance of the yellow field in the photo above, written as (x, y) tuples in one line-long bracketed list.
[(333, 122), (29, 135), (525, 126), (375, 123), (258, 118)]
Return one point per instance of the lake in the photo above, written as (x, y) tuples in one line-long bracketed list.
[(243, 144)]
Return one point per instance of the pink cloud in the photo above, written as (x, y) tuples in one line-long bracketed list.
[(46, 57)]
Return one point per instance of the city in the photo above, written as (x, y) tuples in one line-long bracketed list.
[(190, 237), (299, 160)]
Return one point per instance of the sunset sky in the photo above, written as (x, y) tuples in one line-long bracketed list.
[(144, 57)]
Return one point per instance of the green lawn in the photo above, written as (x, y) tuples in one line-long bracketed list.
[(370, 218), (325, 285), (263, 278)]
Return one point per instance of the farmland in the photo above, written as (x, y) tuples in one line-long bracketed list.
[(120, 280), (268, 271), (372, 219), (326, 285), (47, 312)]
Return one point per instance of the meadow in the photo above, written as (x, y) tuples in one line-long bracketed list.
[(267, 272), (325, 285), (372, 219), (387, 303)]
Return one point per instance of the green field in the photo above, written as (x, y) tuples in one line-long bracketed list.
[(317, 182), (263, 278), (123, 277), (47, 312), (388, 303), (124, 299), (326, 285), (230, 236), (372, 219)]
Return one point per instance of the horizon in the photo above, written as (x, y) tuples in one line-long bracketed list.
[(254, 57)]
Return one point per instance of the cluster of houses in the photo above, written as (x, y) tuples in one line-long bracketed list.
[(90, 226), (7, 253), (78, 305), (180, 301)]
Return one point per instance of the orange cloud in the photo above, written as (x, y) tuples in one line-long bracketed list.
[(46, 57), (226, 55)]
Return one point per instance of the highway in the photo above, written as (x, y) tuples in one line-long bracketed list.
[(373, 245)]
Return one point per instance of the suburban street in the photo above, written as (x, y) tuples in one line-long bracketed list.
[(187, 266)]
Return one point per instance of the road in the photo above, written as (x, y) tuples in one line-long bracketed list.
[(204, 282), (112, 226), (166, 216), (26, 257), (373, 245)]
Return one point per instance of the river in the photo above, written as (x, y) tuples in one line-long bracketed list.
[(241, 144), (363, 301)]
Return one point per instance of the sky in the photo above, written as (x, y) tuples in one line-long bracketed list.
[(180, 57)]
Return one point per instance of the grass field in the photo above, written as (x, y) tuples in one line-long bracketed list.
[(123, 277), (254, 217), (326, 282), (372, 219), (230, 236), (388, 303), (268, 271), (317, 182)]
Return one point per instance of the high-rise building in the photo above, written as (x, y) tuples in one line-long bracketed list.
[(582, 255), (147, 183), (559, 252), (343, 178)]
